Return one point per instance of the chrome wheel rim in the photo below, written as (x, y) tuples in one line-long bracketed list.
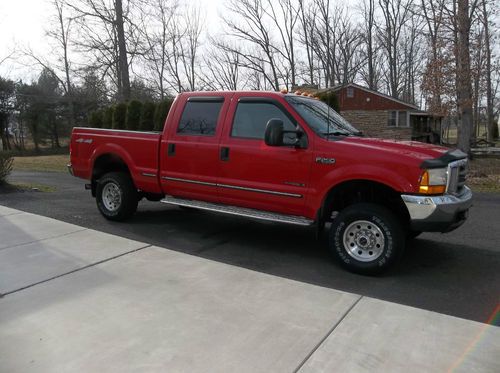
[(111, 197), (364, 240)]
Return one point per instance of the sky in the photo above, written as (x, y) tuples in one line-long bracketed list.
[(23, 24)]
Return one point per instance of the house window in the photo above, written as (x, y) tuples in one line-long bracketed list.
[(397, 118), (402, 122), (392, 119), (350, 92)]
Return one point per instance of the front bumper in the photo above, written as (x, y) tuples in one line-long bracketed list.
[(438, 213)]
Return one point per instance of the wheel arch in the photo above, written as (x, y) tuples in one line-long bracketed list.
[(354, 191), (104, 163)]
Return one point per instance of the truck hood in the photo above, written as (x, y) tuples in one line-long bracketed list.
[(408, 149)]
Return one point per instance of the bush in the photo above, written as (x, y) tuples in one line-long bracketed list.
[(5, 167), (331, 99), (107, 117), (119, 116), (95, 119), (147, 117), (161, 113), (133, 115)]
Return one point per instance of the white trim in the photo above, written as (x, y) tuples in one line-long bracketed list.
[(266, 191), (113, 130)]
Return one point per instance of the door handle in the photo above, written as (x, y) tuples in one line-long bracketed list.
[(171, 149), (224, 153)]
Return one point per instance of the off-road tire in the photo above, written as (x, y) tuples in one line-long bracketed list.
[(116, 209), (366, 238)]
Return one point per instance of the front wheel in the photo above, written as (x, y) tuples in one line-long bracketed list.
[(366, 238), (116, 196)]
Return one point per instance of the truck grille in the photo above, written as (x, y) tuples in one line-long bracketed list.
[(457, 174)]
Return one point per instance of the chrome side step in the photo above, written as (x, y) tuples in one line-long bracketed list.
[(240, 211)]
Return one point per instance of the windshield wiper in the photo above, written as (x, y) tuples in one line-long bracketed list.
[(336, 133)]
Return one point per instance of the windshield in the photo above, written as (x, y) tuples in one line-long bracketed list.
[(321, 118)]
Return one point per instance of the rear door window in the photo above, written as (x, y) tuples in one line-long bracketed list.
[(200, 118)]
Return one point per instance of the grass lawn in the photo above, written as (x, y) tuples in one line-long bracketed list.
[(55, 163), (484, 175)]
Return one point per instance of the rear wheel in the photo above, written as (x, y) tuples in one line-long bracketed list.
[(116, 196), (366, 238)]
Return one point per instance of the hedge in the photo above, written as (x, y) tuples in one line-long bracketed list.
[(134, 115), (161, 113), (147, 116), (119, 116)]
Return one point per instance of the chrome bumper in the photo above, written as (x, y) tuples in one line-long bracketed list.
[(438, 213)]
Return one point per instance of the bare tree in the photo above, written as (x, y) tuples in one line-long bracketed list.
[(285, 15), (485, 18), (105, 35), (190, 44), (433, 13), (307, 14), (223, 67), (246, 23), (7, 57), (122, 51), (157, 18), (464, 88), (477, 71), (412, 58), (395, 15), (324, 40), (60, 33), (348, 60), (370, 74)]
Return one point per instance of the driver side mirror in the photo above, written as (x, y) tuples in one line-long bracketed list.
[(274, 133)]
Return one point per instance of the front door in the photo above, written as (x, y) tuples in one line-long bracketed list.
[(253, 174)]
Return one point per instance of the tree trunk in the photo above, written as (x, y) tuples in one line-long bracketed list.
[(489, 96), (371, 70), (122, 52), (464, 88)]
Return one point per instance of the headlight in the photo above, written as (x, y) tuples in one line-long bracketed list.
[(433, 181)]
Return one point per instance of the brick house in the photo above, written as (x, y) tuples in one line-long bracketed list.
[(379, 115)]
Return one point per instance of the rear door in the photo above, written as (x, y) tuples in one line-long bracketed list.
[(189, 155), (253, 174)]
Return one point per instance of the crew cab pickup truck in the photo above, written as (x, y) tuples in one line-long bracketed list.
[(280, 157)]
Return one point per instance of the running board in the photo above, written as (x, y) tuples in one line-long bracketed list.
[(240, 211)]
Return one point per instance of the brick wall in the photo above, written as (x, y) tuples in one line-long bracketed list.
[(373, 123)]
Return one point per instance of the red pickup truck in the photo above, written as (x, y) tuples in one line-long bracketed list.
[(280, 157)]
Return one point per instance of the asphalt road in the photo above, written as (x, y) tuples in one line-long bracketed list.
[(456, 273)]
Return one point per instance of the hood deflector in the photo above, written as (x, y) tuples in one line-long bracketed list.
[(449, 156)]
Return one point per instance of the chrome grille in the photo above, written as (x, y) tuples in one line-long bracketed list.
[(457, 174)]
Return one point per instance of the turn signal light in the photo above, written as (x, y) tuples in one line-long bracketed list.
[(435, 189), (425, 188)]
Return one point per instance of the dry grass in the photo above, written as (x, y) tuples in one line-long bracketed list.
[(484, 175), (33, 187), (55, 163)]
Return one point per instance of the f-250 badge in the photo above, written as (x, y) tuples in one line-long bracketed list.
[(325, 160)]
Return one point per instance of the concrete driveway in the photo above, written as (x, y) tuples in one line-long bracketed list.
[(78, 300)]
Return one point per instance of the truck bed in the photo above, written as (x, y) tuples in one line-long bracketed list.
[(139, 150)]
